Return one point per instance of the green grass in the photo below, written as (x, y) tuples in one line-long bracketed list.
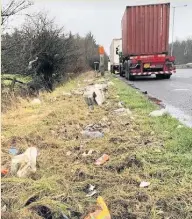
[(163, 151), (22, 78)]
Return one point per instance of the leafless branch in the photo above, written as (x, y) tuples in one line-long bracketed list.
[(13, 8)]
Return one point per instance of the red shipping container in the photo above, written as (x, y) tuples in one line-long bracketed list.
[(145, 29)]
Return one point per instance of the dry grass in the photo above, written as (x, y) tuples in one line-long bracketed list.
[(140, 149)]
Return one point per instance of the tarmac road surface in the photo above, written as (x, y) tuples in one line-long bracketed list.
[(175, 93)]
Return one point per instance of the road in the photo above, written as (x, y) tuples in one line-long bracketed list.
[(175, 93)]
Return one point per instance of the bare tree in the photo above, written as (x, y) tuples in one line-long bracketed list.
[(13, 8)]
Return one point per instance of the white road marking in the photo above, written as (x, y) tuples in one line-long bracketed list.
[(181, 89)]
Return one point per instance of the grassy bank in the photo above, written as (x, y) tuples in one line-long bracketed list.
[(22, 78), (140, 149)]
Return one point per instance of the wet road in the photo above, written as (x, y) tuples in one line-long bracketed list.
[(175, 93)]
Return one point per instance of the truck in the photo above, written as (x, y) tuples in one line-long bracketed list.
[(145, 42), (116, 46)]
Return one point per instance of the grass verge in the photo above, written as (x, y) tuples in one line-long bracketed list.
[(140, 149)]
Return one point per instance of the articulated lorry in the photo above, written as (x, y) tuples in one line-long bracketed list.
[(145, 42), (116, 46)]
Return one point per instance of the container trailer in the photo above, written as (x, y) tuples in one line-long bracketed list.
[(116, 46), (145, 42)]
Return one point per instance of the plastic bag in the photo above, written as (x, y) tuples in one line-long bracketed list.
[(24, 165)]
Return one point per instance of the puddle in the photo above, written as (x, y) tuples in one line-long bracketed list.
[(180, 115)]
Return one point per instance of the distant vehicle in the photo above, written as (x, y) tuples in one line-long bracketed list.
[(189, 65), (145, 42), (115, 48)]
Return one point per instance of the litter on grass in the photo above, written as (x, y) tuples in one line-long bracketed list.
[(24, 165), (103, 159), (144, 184), (102, 211)]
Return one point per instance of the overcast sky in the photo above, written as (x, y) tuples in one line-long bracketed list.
[(103, 17)]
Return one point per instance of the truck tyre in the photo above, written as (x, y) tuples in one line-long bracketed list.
[(121, 71), (131, 78), (159, 76), (128, 76), (126, 67), (111, 69), (167, 76)]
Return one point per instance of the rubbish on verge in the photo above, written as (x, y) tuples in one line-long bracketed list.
[(68, 94), (180, 126), (94, 94), (90, 190), (103, 159), (102, 211), (85, 154), (4, 208), (24, 165), (123, 111), (68, 153), (144, 184), (92, 193), (94, 134), (36, 101), (4, 172), (13, 151), (158, 113)]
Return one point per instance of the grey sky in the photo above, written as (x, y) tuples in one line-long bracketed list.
[(103, 17)]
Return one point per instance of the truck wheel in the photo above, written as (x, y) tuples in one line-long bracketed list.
[(167, 76), (120, 71), (126, 67), (111, 70), (159, 76), (131, 77), (128, 76)]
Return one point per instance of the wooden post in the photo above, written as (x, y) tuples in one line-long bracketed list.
[(101, 64)]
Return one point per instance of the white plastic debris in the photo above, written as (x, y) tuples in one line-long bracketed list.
[(24, 165), (100, 97), (91, 188), (87, 154), (4, 208), (91, 191), (144, 184), (158, 113), (67, 94), (94, 94), (101, 86), (78, 91), (110, 83), (123, 111), (36, 101), (90, 194), (68, 153), (180, 126), (92, 134)]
